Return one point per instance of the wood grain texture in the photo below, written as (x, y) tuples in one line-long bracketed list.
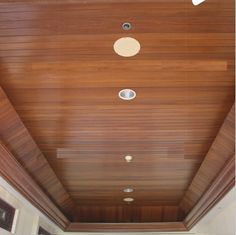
[(127, 227), (59, 70), (221, 185), (129, 213), (221, 151), (16, 175), (20, 143)]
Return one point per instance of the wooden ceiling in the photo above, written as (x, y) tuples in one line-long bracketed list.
[(62, 77)]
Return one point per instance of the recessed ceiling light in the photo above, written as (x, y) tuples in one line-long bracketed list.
[(197, 2), (126, 26), (128, 158), (127, 47), (128, 190), (127, 94), (128, 199)]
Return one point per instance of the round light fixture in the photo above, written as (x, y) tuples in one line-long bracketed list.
[(127, 94), (128, 199), (128, 158), (127, 47), (126, 26), (128, 190)]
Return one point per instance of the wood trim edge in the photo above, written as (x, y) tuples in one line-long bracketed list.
[(127, 227), (223, 183), (15, 174)]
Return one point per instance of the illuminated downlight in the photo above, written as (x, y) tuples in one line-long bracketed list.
[(127, 94), (126, 26), (128, 199), (127, 47), (128, 158), (128, 190)]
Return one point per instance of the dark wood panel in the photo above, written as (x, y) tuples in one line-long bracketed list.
[(221, 185), (221, 151), (149, 17), (127, 227), (129, 214), (86, 42), (57, 79), (155, 65)]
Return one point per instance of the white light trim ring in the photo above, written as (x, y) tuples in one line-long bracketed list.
[(127, 94)]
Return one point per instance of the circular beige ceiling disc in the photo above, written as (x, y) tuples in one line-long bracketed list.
[(127, 47)]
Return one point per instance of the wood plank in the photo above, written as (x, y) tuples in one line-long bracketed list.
[(60, 72), (126, 227), (221, 151), (20, 143), (128, 214), (218, 189)]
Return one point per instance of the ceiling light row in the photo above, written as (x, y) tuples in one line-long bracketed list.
[(128, 47), (128, 199), (128, 159)]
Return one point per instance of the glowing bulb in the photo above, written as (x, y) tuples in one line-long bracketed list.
[(128, 158), (128, 199)]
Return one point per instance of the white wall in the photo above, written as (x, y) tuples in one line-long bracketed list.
[(29, 218), (221, 220)]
